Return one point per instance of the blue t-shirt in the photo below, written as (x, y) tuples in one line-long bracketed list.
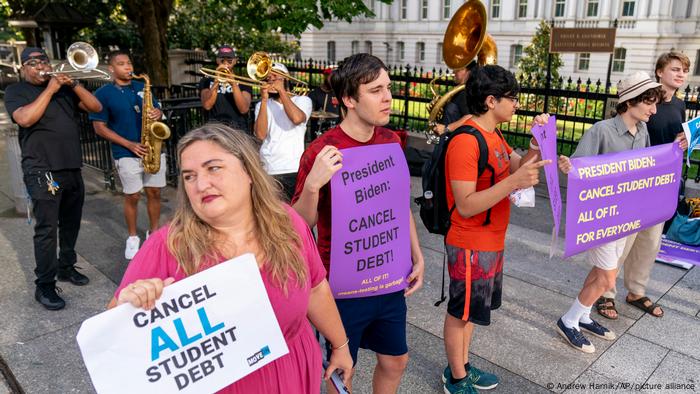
[(121, 111)]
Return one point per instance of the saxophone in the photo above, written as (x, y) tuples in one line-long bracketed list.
[(153, 133)]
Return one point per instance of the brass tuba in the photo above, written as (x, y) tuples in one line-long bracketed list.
[(153, 133), (465, 39)]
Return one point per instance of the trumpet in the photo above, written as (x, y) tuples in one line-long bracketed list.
[(83, 60), (259, 67), (226, 77)]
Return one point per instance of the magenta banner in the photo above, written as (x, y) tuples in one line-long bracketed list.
[(370, 236), (613, 195), (546, 137)]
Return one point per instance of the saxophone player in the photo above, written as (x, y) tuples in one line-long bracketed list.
[(119, 122)]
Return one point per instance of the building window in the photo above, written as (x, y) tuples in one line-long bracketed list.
[(371, 5), (559, 8), (592, 8), (495, 9), (584, 61), (368, 47), (424, 9), (420, 52), (516, 53), (446, 11), (400, 51), (404, 9), (330, 51), (438, 60), (619, 60), (628, 8), (355, 47), (522, 8)]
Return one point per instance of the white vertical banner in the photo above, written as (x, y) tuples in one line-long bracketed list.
[(205, 332)]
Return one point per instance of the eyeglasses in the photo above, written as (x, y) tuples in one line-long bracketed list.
[(37, 63), (514, 99)]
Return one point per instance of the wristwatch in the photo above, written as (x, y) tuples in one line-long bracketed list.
[(74, 83)]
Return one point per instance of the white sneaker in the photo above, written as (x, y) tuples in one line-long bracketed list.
[(132, 246)]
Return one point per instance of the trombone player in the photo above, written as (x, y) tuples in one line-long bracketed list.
[(229, 102), (44, 106)]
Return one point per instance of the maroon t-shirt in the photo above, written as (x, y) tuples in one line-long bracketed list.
[(338, 138)]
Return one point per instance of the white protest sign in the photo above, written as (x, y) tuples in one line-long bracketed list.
[(205, 332)]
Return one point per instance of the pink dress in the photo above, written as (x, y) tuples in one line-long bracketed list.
[(297, 372)]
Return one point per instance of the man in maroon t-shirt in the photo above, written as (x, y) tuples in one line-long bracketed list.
[(378, 323)]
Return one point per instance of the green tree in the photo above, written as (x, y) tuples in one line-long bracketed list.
[(206, 25), (533, 64)]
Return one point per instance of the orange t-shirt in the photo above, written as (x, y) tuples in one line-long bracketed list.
[(461, 164)]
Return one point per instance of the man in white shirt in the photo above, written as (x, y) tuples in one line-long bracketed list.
[(280, 122)]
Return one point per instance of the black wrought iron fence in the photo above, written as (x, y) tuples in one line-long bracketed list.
[(576, 105)]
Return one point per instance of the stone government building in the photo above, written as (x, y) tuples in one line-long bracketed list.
[(411, 32)]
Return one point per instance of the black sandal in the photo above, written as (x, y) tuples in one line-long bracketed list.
[(641, 303), (606, 304)]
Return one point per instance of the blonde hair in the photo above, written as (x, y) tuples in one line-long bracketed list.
[(667, 58), (191, 240)]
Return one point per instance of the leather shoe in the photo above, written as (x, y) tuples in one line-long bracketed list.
[(73, 276), (47, 296)]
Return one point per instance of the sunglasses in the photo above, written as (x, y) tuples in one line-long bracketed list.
[(34, 63)]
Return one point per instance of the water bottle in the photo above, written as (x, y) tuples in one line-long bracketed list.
[(428, 199)]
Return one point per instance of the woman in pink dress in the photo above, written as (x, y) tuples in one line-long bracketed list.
[(228, 206)]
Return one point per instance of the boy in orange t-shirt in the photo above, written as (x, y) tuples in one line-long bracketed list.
[(475, 244)]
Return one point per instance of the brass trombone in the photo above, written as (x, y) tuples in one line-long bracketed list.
[(83, 59)]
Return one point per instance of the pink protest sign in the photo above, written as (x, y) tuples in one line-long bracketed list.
[(370, 237), (546, 137)]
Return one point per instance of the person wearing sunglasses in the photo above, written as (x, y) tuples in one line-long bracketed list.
[(45, 109)]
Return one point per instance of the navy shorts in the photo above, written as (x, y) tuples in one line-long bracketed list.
[(376, 323)]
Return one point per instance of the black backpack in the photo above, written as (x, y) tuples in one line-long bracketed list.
[(434, 212)]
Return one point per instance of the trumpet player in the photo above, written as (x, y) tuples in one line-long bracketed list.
[(44, 107), (229, 102), (280, 122), (120, 122)]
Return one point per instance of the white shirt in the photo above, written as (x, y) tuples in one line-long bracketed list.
[(282, 148)]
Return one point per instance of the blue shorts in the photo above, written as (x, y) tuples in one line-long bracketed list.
[(376, 323)]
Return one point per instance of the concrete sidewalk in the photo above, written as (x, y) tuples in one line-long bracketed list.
[(40, 354)]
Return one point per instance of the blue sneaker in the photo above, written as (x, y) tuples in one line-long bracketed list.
[(464, 386), (575, 338), (481, 380), (596, 329)]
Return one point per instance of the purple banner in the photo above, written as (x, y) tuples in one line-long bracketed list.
[(613, 195), (676, 253), (370, 241), (546, 137)]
